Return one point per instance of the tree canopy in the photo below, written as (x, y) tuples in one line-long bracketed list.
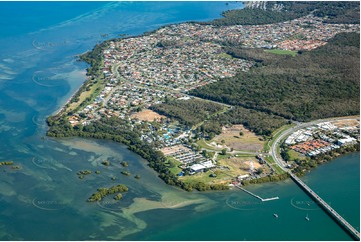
[(315, 84)]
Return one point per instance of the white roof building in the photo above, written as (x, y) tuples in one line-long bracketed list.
[(346, 141), (199, 167), (241, 177)]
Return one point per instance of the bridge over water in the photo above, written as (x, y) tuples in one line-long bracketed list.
[(282, 164), (348, 227)]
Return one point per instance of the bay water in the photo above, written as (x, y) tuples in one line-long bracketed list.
[(45, 199)]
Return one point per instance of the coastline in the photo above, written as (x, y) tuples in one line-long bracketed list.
[(46, 199), (141, 148)]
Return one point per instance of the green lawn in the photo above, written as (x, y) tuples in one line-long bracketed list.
[(275, 134), (224, 55), (282, 52), (95, 89), (204, 177), (204, 145), (174, 170), (271, 162), (244, 155), (220, 157), (295, 155)]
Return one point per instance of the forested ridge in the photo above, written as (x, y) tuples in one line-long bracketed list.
[(188, 112), (336, 12), (252, 17), (315, 84), (332, 12)]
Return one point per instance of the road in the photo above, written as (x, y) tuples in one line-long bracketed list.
[(114, 70), (281, 163)]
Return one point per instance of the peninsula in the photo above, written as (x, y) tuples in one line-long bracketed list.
[(211, 105)]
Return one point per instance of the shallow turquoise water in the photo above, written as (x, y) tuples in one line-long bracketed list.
[(45, 200), (237, 216)]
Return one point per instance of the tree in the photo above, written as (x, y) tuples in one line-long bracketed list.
[(78, 127), (259, 171), (241, 133), (118, 196), (204, 153), (224, 152), (285, 155), (171, 164)]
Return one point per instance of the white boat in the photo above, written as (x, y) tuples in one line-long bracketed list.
[(276, 215), (307, 218)]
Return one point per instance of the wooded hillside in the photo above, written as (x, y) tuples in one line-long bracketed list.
[(315, 84)]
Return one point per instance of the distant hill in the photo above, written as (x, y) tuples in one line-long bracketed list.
[(267, 12), (333, 11)]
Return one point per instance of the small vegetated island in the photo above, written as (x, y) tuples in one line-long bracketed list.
[(103, 192), (204, 103), (10, 164)]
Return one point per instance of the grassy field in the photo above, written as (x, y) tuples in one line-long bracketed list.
[(174, 170), (204, 145), (232, 138), (221, 178), (275, 134), (224, 55), (271, 162), (282, 52), (239, 165), (220, 157), (86, 94), (295, 155), (245, 155)]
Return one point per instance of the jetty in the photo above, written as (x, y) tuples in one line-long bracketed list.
[(337, 217), (256, 196)]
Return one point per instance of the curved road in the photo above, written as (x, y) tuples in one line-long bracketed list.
[(281, 163)]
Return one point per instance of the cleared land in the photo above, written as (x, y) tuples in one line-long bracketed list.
[(232, 139), (203, 144), (239, 165), (222, 178), (232, 168), (148, 115), (346, 123)]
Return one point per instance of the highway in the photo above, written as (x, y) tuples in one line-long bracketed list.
[(281, 163), (273, 151)]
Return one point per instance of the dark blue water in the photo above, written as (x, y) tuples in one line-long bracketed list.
[(45, 199)]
